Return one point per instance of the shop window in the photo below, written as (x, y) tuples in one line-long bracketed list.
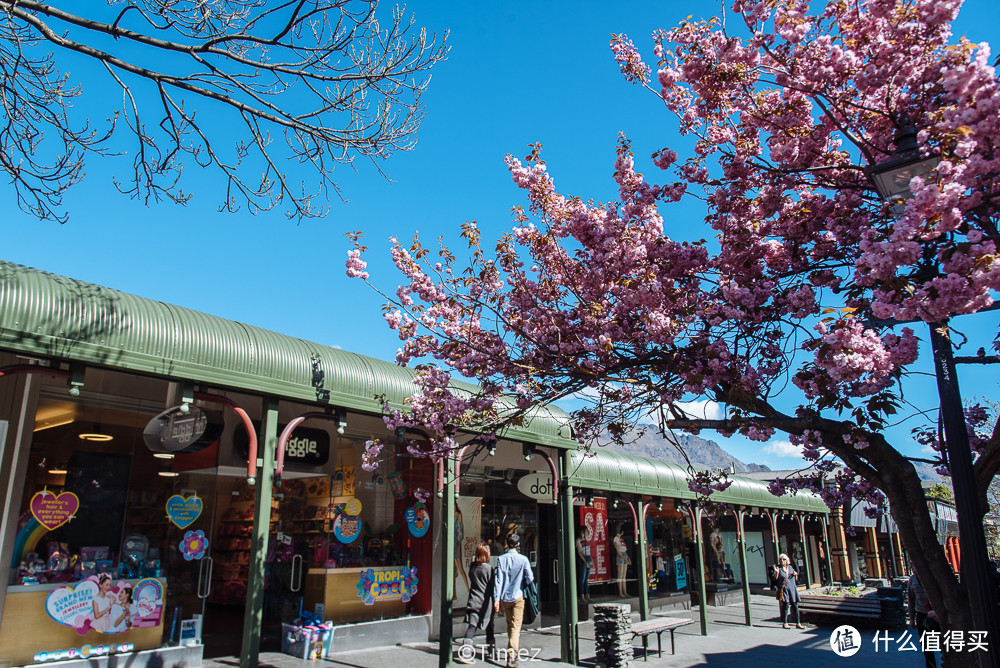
[(668, 536)]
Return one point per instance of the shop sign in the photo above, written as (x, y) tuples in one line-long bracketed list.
[(595, 520), (680, 572), (417, 520), (310, 447), (53, 511), (118, 608), (182, 512), (536, 486), (84, 652), (388, 584), (176, 431)]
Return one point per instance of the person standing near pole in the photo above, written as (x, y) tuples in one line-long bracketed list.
[(513, 572)]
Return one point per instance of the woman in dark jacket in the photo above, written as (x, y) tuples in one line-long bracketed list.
[(479, 610), (787, 590)]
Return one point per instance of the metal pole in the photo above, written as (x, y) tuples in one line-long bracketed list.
[(703, 603), (641, 577), (568, 614), (805, 548), (741, 540), (253, 612), (826, 549), (975, 572), (447, 563)]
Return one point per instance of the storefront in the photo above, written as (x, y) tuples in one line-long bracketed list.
[(175, 484), (677, 548), (158, 504)]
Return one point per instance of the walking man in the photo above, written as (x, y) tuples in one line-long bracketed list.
[(513, 572)]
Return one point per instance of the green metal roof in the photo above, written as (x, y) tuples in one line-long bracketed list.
[(605, 469), (46, 315)]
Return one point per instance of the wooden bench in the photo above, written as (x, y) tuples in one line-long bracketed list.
[(658, 626), (867, 607)]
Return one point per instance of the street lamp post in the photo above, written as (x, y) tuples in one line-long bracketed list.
[(892, 180)]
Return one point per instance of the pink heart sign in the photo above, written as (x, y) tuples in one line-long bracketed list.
[(53, 511)]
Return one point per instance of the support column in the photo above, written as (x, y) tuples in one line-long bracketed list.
[(826, 551), (744, 571), (841, 560), (447, 563), (900, 555), (871, 553), (805, 547), (568, 594), (253, 612), (773, 521), (642, 577), (695, 513)]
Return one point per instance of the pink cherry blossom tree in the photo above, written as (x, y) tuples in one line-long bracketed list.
[(781, 315)]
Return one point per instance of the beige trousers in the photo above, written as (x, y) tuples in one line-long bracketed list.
[(514, 614)]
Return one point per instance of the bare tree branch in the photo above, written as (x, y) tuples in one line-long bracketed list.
[(326, 77)]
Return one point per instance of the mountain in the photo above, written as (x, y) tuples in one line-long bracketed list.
[(702, 452)]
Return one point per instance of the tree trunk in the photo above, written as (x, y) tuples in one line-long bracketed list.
[(901, 485)]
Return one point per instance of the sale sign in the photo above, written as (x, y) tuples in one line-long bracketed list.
[(595, 521)]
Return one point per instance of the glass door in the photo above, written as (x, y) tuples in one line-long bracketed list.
[(170, 532)]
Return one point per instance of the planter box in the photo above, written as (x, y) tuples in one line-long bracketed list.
[(885, 610), (866, 606)]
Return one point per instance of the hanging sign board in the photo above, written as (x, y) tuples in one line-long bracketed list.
[(176, 431), (309, 447), (536, 486)]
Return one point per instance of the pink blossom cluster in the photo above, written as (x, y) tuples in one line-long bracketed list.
[(629, 60), (854, 361)]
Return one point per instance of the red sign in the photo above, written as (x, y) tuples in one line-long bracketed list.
[(595, 519)]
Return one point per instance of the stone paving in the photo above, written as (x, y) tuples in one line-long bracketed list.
[(729, 643)]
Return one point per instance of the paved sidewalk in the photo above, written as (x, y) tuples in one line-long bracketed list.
[(729, 643)]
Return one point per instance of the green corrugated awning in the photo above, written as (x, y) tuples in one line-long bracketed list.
[(608, 470), (50, 316)]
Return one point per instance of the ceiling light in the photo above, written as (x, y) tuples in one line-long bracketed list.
[(100, 438), (168, 474), (163, 455), (58, 471)]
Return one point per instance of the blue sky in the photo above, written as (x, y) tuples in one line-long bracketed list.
[(518, 73)]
